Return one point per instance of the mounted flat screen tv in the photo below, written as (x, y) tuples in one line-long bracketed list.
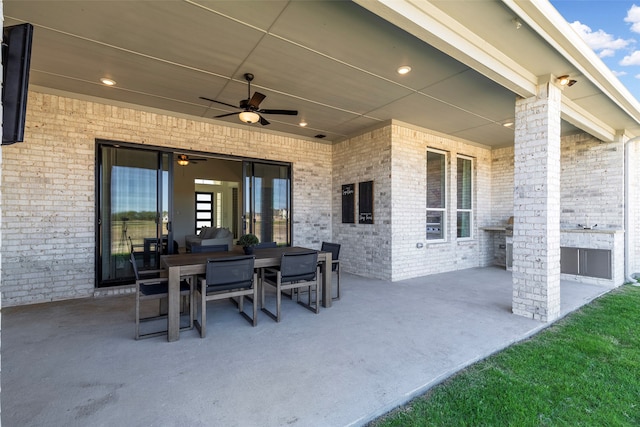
[(16, 57)]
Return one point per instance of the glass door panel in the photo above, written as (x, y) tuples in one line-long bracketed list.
[(133, 214), (267, 202)]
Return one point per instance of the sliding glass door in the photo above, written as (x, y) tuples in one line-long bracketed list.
[(149, 205), (267, 202), (134, 214)]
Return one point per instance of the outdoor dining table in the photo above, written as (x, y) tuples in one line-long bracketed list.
[(190, 264)]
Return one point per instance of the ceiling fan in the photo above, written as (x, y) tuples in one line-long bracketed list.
[(184, 160), (251, 111)]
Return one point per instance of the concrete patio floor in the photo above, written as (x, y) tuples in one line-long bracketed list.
[(75, 363)]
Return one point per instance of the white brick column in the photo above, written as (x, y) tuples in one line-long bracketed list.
[(536, 230)]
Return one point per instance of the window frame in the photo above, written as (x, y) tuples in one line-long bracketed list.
[(470, 210), (445, 186), (199, 223)]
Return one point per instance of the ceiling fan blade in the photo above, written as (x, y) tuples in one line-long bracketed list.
[(224, 115), (218, 102), (284, 112), (256, 99), (264, 121)]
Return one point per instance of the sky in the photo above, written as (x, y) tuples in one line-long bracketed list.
[(612, 29)]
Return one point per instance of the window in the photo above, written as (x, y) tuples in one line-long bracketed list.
[(436, 194), (464, 199)]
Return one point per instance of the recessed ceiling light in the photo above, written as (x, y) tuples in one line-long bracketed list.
[(108, 82), (507, 124), (303, 123), (404, 69)]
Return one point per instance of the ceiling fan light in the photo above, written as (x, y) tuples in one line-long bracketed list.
[(249, 117), (183, 160)]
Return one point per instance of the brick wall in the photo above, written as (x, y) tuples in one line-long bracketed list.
[(366, 248), (49, 186), (1, 198), (634, 200), (394, 156), (536, 230), (409, 205), (501, 184), (592, 182)]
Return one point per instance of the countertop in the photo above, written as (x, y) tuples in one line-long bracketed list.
[(562, 230)]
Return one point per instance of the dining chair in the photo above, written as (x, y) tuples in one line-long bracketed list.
[(150, 286), (297, 270), (227, 277), (334, 248), (209, 248)]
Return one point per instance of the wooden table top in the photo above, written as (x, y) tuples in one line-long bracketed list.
[(267, 257)]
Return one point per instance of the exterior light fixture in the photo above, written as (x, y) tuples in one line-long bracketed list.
[(566, 81), (517, 23), (249, 117), (107, 82), (405, 69), (303, 123), (507, 124), (183, 160)]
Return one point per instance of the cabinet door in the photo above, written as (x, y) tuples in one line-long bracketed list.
[(595, 263), (569, 260)]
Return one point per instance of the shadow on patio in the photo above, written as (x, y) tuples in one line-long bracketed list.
[(76, 362)]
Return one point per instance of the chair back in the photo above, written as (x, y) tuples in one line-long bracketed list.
[(299, 266), (209, 248), (334, 248), (265, 245), (223, 274)]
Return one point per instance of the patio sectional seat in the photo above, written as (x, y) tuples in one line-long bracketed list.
[(209, 236)]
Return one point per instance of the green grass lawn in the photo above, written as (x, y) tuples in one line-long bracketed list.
[(582, 371)]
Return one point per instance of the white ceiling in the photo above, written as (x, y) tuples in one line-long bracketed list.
[(333, 61)]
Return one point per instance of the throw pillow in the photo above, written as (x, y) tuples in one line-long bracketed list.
[(222, 233)]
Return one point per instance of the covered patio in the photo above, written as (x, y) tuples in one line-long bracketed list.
[(75, 362)]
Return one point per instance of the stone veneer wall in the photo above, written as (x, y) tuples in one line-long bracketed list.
[(48, 182)]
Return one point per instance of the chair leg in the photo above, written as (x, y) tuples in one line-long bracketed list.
[(192, 300), (278, 301), (203, 315), (318, 290), (137, 315), (265, 310), (262, 288), (202, 322), (255, 301)]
